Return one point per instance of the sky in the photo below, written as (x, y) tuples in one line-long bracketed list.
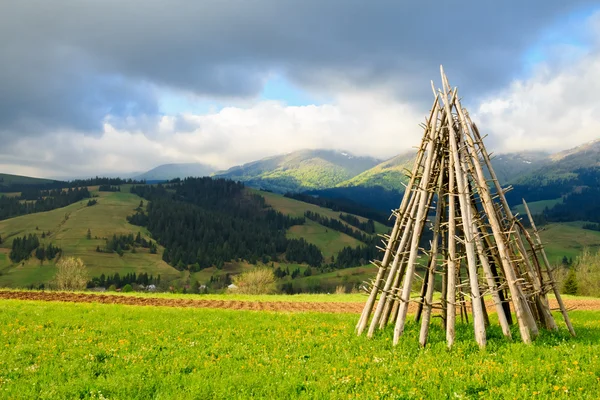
[(111, 87)]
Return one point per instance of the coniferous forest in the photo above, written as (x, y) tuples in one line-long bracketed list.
[(34, 200), (205, 222)]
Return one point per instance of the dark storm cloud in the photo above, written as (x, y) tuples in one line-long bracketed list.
[(67, 64)]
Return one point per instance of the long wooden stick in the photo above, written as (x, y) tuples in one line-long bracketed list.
[(432, 264), (527, 325), (397, 262), (414, 247), (478, 322), (559, 300), (364, 318)]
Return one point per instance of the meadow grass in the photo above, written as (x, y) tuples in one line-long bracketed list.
[(54, 350), (567, 239), (297, 208), (537, 207), (328, 240), (68, 228)]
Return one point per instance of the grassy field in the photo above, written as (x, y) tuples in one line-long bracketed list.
[(54, 350), (297, 208), (349, 277), (329, 241), (68, 228), (567, 239), (537, 207), (8, 179)]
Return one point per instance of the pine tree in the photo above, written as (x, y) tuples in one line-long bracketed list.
[(89, 234), (570, 285)]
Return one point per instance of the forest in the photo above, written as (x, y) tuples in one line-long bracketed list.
[(23, 247), (338, 226), (203, 222), (326, 198), (33, 201), (368, 226)]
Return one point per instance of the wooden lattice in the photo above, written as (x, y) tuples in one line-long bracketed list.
[(478, 245)]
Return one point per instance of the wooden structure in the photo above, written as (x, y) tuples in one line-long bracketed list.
[(477, 247)]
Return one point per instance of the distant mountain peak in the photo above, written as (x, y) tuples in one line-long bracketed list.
[(301, 170), (177, 170)]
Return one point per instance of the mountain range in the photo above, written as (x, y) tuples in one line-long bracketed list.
[(305, 170)]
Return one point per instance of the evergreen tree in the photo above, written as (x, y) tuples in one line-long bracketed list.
[(570, 285), (89, 234)]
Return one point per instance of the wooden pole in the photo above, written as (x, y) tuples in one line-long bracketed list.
[(397, 262), (559, 300), (432, 264), (527, 325), (478, 322), (364, 318), (414, 247)]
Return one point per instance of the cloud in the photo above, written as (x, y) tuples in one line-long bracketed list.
[(363, 125), (81, 82), (558, 107), (69, 64)]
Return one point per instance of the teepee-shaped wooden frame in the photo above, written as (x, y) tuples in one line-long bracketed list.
[(478, 245)]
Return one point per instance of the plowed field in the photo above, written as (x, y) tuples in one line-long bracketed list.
[(286, 306)]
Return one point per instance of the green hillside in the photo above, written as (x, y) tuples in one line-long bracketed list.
[(8, 179), (68, 228), (300, 170), (389, 174)]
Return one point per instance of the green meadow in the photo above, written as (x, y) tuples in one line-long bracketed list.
[(65, 350)]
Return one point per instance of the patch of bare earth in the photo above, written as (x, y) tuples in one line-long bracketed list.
[(282, 306)]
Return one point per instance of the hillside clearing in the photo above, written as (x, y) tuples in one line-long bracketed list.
[(68, 228)]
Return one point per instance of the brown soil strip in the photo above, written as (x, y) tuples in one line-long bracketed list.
[(285, 306)]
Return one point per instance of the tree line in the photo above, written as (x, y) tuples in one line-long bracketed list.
[(205, 222), (40, 201), (120, 281), (338, 226), (368, 226), (343, 205), (109, 188), (23, 247), (20, 187), (121, 243)]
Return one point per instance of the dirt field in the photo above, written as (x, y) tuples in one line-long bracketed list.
[(285, 306)]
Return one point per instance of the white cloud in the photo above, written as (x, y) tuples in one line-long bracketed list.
[(362, 123), (555, 109)]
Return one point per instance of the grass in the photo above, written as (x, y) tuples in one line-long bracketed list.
[(54, 350), (349, 277), (567, 239), (297, 208), (8, 179), (537, 207), (68, 228), (329, 241)]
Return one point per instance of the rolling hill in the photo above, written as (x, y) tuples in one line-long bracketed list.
[(300, 170), (67, 228), (387, 174), (8, 179), (171, 171)]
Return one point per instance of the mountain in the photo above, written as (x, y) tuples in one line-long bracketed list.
[(171, 171), (388, 174), (301, 170), (391, 173), (564, 164), (512, 166)]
